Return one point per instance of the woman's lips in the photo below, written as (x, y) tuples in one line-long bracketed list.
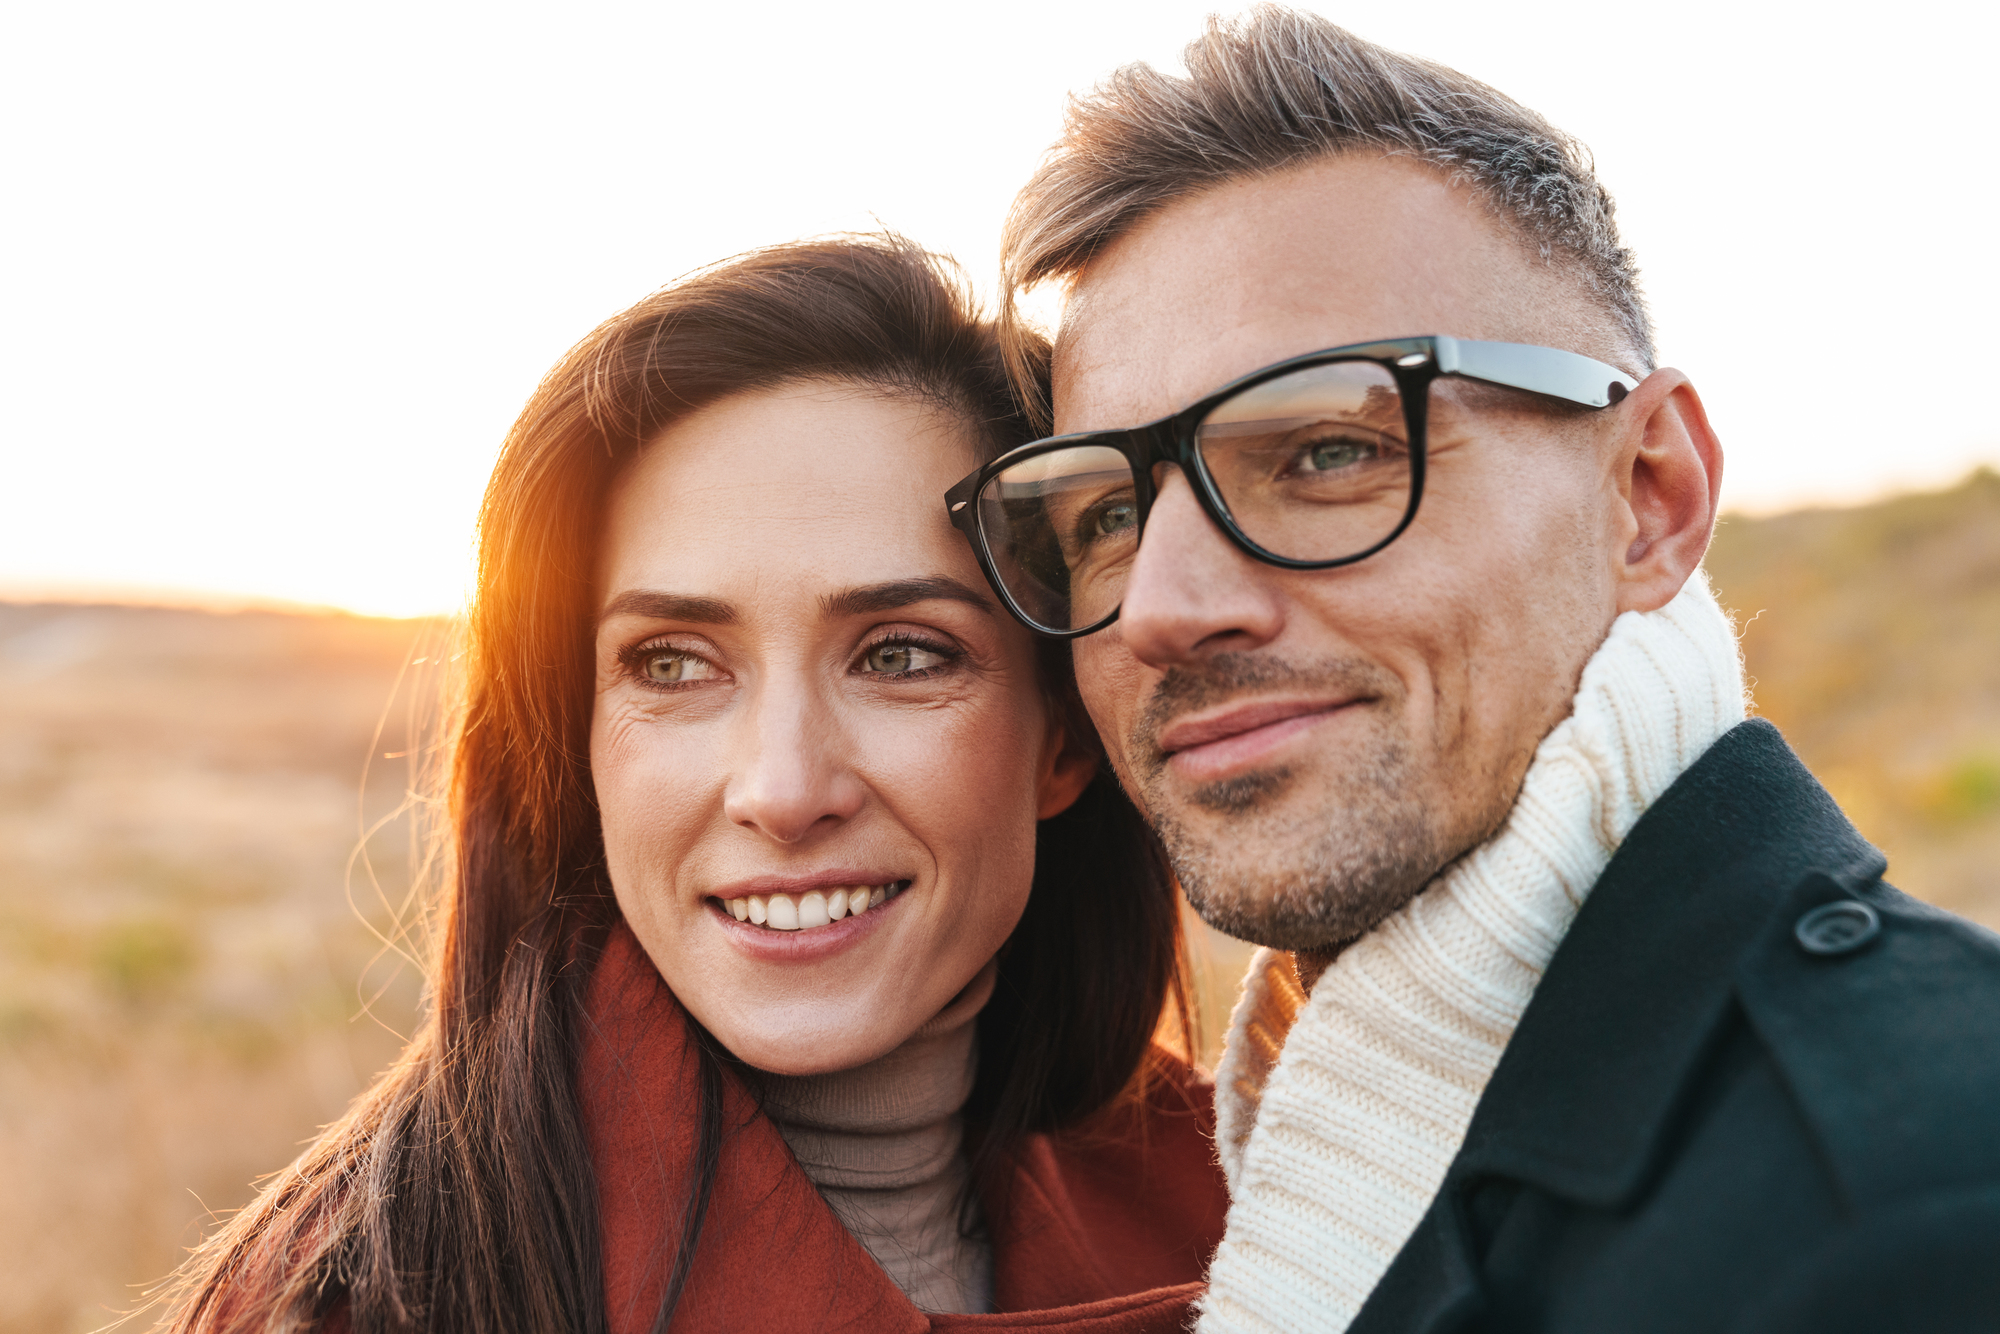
[(812, 909), (1208, 747), (793, 920)]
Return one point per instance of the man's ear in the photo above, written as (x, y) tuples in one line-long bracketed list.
[(1067, 769), (1669, 475)]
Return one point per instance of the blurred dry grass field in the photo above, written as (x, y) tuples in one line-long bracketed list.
[(1873, 641), (186, 990), (182, 978)]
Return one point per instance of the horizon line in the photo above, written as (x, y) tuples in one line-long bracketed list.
[(178, 597), (181, 597)]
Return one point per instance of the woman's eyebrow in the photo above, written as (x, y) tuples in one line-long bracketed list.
[(669, 607), (901, 593)]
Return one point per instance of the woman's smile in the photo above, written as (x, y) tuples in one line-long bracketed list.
[(810, 909), (799, 928)]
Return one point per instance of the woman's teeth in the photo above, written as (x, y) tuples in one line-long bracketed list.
[(786, 912)]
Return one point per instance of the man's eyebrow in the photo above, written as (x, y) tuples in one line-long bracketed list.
[(668, 607), (901, 593)]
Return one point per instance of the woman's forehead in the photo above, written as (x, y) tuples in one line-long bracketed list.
[(791, 492)]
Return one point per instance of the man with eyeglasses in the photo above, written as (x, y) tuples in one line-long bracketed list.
[(1378, 533)]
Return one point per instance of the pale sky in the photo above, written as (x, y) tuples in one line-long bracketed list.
[(275, 278)]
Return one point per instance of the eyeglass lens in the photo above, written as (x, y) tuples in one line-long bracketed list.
[(1313, 465)]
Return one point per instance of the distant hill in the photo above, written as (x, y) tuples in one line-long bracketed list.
[(1872, 636)]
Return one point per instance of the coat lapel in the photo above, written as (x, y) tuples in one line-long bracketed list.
[(771, 1255)]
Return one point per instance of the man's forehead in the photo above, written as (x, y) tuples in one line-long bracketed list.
[(1343, 250)]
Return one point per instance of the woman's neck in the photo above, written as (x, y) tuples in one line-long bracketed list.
[(884, 1143)]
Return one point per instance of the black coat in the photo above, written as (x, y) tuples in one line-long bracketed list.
[(1721, 1112)]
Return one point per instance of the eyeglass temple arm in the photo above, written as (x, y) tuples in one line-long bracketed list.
[(1539, 370)]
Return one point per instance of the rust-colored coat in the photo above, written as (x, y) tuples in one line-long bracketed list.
[(1108, 1227)]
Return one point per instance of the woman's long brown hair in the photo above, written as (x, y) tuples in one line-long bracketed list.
[(458, 1192)]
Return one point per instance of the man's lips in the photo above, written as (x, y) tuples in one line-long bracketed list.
[(1211, 745)]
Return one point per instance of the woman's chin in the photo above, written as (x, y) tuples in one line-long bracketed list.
[(795, 1049), (805, 997)]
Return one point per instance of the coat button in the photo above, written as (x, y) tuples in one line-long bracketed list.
[(1840, 927)]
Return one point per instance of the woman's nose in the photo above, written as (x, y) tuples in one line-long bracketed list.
[(793, 770)]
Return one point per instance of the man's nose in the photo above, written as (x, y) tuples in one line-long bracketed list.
[(793, 771), (1192, 591)]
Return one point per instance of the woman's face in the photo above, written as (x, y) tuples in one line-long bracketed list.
[(819, 745)]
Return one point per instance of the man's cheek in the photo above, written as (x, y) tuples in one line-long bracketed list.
[(1111, 683), (1116, 737), (1131, 786)]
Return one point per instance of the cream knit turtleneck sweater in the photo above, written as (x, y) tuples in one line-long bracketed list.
[(884, 1144), (1335, 1136)]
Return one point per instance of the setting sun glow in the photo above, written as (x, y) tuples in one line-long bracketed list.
[(279, 278)]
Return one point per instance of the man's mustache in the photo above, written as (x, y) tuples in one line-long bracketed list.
[(1230, 677)]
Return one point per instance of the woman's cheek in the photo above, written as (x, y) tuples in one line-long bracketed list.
[(650, 783), (975, 766), (966, 786)]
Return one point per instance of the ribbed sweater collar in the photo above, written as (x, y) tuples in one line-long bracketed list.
[(1337, 1115), (884, 1143)]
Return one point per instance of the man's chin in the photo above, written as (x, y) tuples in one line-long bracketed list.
[(1299, 917), (1261, 922), (1297, 880)]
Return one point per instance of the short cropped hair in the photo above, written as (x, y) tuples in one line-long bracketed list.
[(1275, 89)]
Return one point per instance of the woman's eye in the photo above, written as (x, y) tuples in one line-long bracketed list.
[(674, 668), (901, 659)]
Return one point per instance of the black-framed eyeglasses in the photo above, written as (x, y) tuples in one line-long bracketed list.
[(1314, 462)]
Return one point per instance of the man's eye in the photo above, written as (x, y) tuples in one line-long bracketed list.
[(1116, 518), (1331, 455), (674, 668), (901, 659), (1106, 520)]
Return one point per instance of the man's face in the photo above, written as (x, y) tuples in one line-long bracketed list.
[(1315, 746)]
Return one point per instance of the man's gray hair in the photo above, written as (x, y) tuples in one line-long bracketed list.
[(1277, 88)]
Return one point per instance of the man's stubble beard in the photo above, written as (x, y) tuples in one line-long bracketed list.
[(1275, 862)]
